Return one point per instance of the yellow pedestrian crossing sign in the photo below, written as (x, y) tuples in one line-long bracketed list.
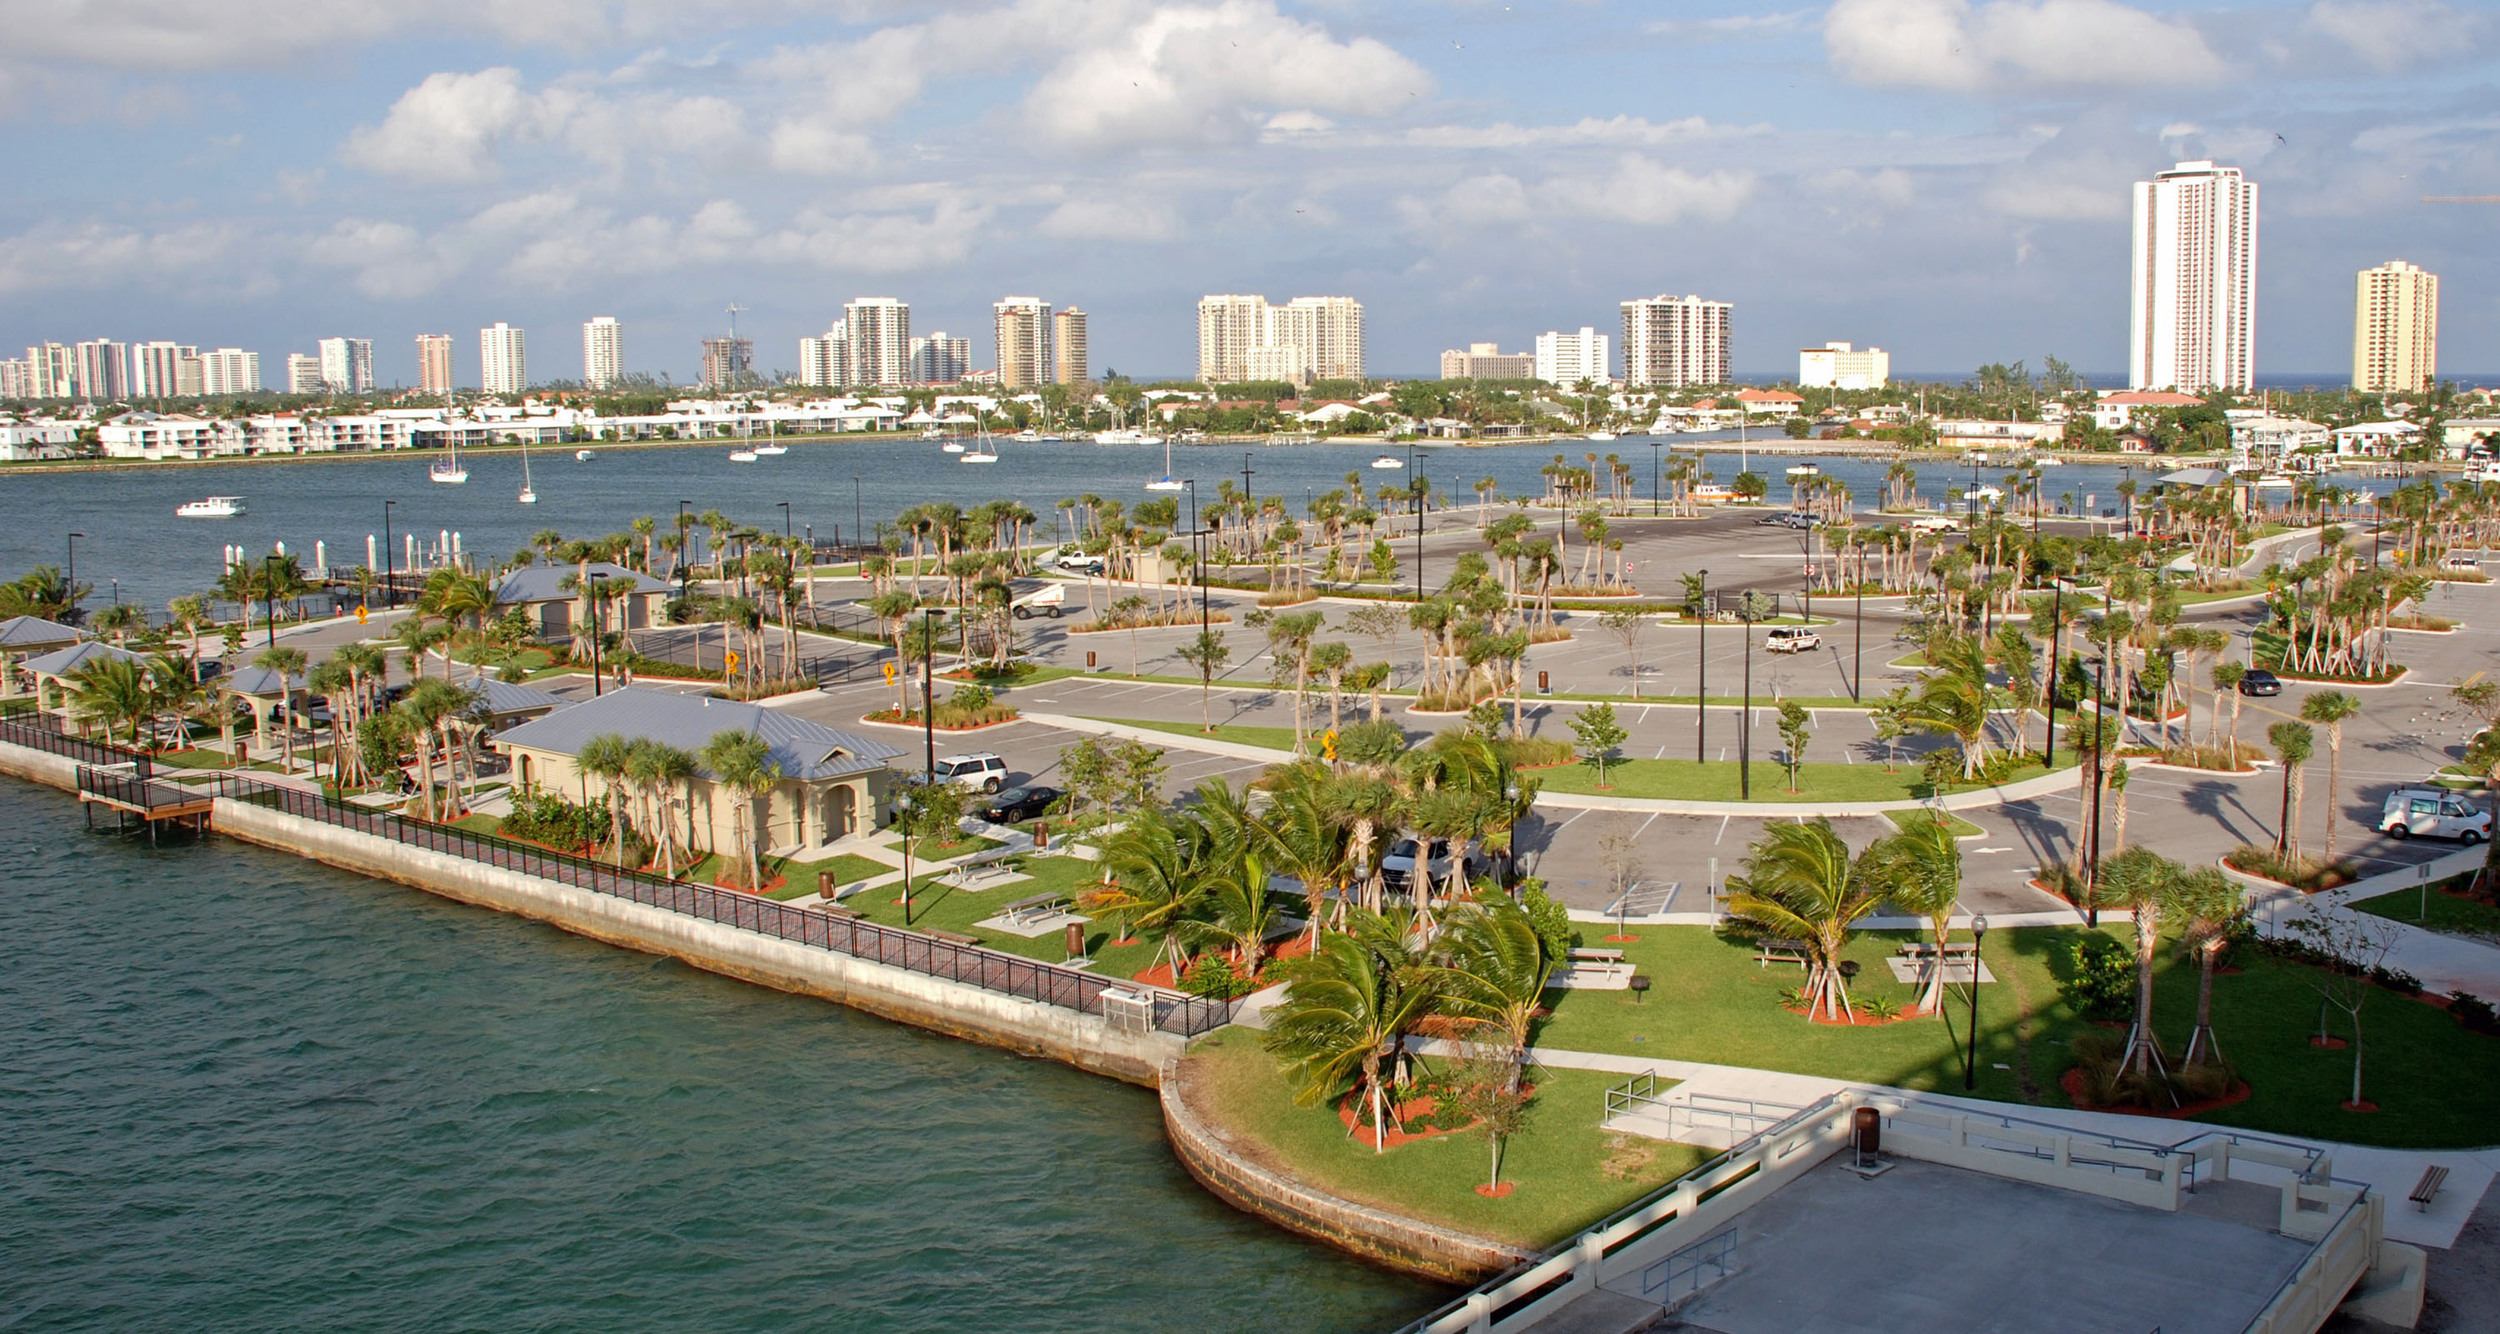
[(731, 660), (360, 613), (889, 673), (1328, 743)]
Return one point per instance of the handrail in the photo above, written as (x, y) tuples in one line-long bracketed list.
[(973, 965)]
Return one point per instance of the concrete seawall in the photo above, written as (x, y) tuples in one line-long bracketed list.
[(1230, 1170)]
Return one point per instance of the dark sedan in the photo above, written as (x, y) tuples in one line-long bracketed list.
[(2261, 682), (1018, 804)]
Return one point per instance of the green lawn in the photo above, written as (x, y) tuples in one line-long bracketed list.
[(1710, 1002), (2447, 912), (1273, 738), (1717, 780), (1558, 1161), (943, 906), (939, 847), (1905, 820)]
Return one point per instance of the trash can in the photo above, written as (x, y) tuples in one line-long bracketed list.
[(1866, 1132)]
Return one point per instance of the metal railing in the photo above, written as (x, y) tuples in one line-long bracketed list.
[(126, 786), (42, 731), (972, 965)]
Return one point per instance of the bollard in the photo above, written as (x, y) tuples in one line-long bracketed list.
[(1089, 659), (1041, 836), (1541, 687), (1076, 940)]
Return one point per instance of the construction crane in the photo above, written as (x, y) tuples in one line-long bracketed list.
[(734, 308), (2461, 199)]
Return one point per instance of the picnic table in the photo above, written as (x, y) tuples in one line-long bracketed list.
[(1596, 956), (1026, 910), (1782, 951), (1920, 949)]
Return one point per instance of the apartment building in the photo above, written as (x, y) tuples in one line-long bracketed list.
[(1566, 359), (1486, 361), (1322, 335), (877, 338), (603, 352), (728, 363), (2395, 329), (503, 361), (2192, 299), (1675, 342), (229, 370), (1069, 363), (434, 363), (303, 373), (940, 358), (825, 362), (1840, 366), (1023, 328), (347, 365)]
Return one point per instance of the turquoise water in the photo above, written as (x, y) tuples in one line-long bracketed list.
[(241, 1091)]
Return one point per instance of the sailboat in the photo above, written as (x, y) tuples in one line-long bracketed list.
[(529, 495), (772, 446), (982, 450), (448, 470), (1167, 482)]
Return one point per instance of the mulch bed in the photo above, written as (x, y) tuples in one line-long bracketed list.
[(1500, 1192), (2072, 1082), (1857, 1020)]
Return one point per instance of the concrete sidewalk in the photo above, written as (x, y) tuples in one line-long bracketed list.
[(2443, 962)]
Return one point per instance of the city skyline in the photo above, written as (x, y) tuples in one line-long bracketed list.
[(1942, 179)]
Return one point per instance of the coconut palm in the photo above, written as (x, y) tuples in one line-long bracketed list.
[(1242, 913), (112, 693), (2147, 882), (1153, 880), (660, 772), (336, 685), (2226, 678), (1919, 871), (2293, 744), (1347, 1012), (1799, 884), (427, 713), (2210, 903), (1953, 699), (741, 762), (2330, 708), (289, 664), (609, 757), (1499, 974), (1304, 834)]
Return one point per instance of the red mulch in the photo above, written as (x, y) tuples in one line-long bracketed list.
[(1294, 947), (1857, 1020), (886, 716), (1500, 1192), (2072, 1082), (1622, 940), (2365, 1105), (1352, 1107), (2329, 1044)]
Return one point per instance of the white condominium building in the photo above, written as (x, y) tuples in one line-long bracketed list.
[(1568, 358), (2192, 307), (1840, 366), (603, 352), (303, 373), (51, 371), (156, 368), (503, 362), (940, 358), (434, 363), (1067, 345), (2395, 329), (824, 362), (1675, 342), (877, 335), (103, 369), (229, 370), (1023, 325), (1324, 334), (1486, 361), (347, 365)]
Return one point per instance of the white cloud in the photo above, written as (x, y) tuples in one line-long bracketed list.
[(2010, 45), (74, 256), (453, 126), (1112, 218), (1183, 74), (1642, 191), (2390, 35), (1587, 130)]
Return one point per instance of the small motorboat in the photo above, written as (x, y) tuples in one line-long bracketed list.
[(742, 456), (1028, 435), (952, 447), (214, 507), (1386, 461), (1601, 435), (583, 456), (1805, 470)]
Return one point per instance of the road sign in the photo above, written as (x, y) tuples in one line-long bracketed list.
[(889, 673), (360, 614), (731, 660), (1328, 743)]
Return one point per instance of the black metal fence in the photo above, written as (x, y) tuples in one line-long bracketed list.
[(134, 790), (990, 970), (42, 731)]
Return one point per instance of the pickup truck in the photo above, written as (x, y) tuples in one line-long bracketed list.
[(1791, 639)]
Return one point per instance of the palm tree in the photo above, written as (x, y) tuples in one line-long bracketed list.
[(1347, 1012), (661, 771), (1304, 835), (1799, 884), (2331, 708), (112, 692), (1152, 880), (743, 763), (2293, 744), (1953, 699), (289, 664), (609, 757), (1500, 972), (1236, 879), (2210, 903), (2147, 882), (426, 713), (336, 685), (1919, 871), (2227, 677)]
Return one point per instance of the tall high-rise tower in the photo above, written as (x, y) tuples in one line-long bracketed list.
[(2192, 309), (434, 363), (1245, 338), (603, 352), (502, 360), (1067, 345), (1023, 324), (2395, 329), (1674, 342), (877, 339), (347, 365)]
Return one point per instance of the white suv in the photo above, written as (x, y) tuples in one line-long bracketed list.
[(1399, 864), (1791, 639), (985, 772), (2435, 812)]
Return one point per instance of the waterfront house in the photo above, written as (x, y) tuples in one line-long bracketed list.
[(23, 637), (833, 784), (551, 596)]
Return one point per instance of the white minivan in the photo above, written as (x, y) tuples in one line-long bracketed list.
[(2434, 813)]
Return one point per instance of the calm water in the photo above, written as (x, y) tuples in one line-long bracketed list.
[(131, 534), (244, 1092)]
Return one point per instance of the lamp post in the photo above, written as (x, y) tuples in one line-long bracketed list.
[(2057, 640), (785, 518), (1970, 1059), (928, 689), (598, 631), (683, 564), (69, 578), (269, 593), (859, 530), (1510, 848), (1857, 650), (1198, 555), (390, 559), (1701, 669), (1654, 447), (1744, 723), (1415, 481)]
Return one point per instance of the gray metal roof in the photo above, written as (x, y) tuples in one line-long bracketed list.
[(2196, 477), (62, 662), (505, 697), (545, 583), (34, 632), (804, 750), (260, 681)]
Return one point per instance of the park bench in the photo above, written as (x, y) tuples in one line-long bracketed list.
[(1596, 956), (1023, 911), (950, 937), (2424, 1190), (837, 910), (1920, 949), (1780, 951)]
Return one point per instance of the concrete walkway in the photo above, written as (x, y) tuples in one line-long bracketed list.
[(2445, 963), (2391, 1172)]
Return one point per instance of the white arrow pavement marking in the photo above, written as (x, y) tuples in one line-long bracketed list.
[(1992, 849)]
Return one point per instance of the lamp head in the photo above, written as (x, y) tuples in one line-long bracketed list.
[(1978, 926)]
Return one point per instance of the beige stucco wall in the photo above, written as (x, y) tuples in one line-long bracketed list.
[(792, 813)]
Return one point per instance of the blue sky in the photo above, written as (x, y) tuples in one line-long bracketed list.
[(1942, 178)]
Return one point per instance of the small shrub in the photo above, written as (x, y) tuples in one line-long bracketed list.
[(1880, 1008), (2205, 757), (2474, 1012), (1551, 920), (2205, 1082), (1793, 997), (2303, 872), (2397, 980), (1535, 751), (1214, 977), (546, 817), (2103, 985)]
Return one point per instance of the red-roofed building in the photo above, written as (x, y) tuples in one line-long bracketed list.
[(1769, 402), (2118, 410)]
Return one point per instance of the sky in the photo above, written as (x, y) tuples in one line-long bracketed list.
[(1941, 178)]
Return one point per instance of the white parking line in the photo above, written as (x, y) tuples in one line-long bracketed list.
[(1714, 842)]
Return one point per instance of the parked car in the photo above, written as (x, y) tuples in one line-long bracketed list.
[(1080, 562), (982, 772), (1786, 519), (1018, 804), (1399, 865), (1791, 639), (2259, 681), (2434, 813)]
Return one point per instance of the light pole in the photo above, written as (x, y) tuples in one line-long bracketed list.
[(684, 566), (1654, 447), (1857, 650), (785, 519), (598, 631), (1415, 479), (1744, 723), (269, 594), (1701, 669), (2057, 639), (1198, 555), (928, 688), (1970, 1059), (390, 559), (69, 578), (859, 530)]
